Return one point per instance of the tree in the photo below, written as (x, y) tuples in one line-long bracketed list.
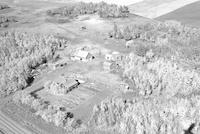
[(127, 33)]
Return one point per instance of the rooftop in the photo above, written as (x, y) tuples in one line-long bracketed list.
[(81, 53)]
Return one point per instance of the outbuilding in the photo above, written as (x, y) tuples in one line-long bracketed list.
[(82, 56), (62, 85)]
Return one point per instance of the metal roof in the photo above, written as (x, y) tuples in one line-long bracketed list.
[(82, 54)]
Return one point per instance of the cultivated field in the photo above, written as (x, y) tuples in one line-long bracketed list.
[(187, 15), (155, 8)]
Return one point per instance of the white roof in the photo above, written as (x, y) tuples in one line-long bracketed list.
[(82, 54), (115, 52)]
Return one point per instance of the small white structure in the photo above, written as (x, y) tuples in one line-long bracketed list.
[(129, 43), (82, 56), (115, 56)]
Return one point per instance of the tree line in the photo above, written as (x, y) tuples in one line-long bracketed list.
[(153, 31), (103, 9)]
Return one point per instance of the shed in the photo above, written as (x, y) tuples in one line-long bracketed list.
[(66, 84), (108, 66), (70, 84), (82, 55)]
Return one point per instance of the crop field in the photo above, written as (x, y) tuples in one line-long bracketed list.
[(188, 14)]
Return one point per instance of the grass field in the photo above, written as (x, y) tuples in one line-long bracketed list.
[(188, 15)]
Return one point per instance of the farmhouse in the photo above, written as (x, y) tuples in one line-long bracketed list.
[(82, 55)]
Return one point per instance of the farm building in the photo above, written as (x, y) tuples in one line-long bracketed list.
[(82, 56), (60, 63), (61, 85), (115, 56)]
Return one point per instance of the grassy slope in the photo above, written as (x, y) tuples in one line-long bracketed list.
[(188, 14)]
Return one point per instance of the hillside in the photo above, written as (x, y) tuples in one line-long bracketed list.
[(188, 14)]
